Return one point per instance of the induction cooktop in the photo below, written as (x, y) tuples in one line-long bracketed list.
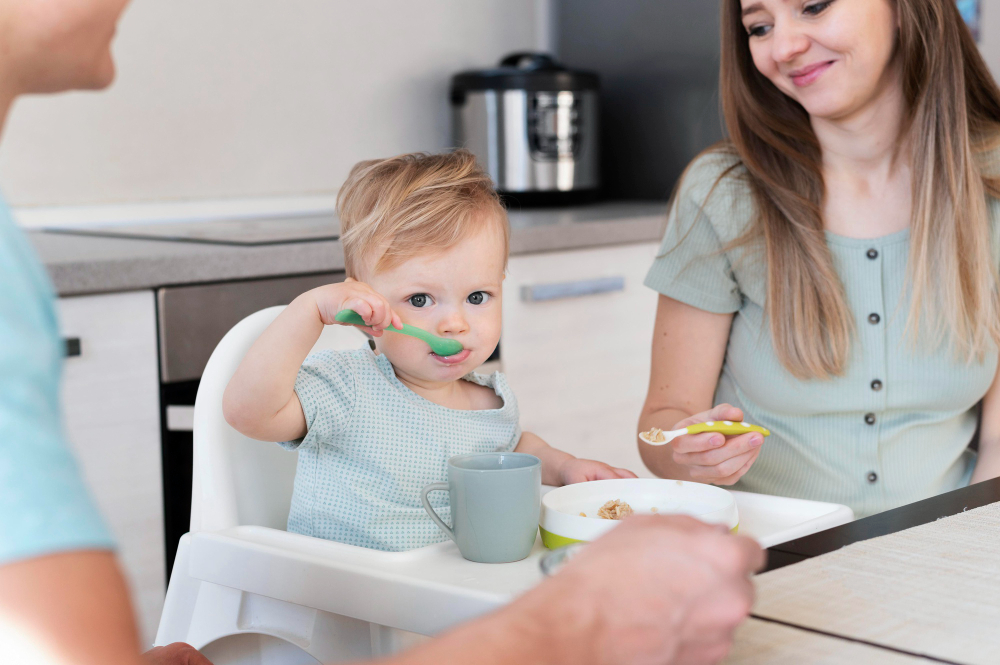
[(252, 231)]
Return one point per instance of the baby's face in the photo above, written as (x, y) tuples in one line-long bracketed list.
[(453, 294)]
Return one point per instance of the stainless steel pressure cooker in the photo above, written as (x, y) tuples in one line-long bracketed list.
[(532, 124)]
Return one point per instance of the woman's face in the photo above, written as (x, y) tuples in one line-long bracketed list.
[(54, 45), (831, 56)]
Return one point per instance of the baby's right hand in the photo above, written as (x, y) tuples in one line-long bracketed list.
[(363, 299), (711, 457)]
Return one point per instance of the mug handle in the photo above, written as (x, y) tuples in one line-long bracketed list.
[(436, 487)]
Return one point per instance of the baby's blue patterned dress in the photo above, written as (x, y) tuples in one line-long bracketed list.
[(373, 444)]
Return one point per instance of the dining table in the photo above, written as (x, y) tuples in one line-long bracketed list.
[(800, 618)]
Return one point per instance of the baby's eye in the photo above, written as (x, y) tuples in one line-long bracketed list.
[(420, 300), (478, 297)]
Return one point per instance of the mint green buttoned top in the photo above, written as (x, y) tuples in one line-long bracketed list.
[(893, 429)]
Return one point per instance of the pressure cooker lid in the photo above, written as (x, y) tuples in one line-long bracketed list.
[(524, 71)]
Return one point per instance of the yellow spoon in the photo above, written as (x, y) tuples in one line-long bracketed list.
[(657, 437)]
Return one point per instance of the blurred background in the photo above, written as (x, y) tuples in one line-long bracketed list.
[(274, 101)]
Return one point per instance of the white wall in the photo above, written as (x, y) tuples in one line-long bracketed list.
[(251, 98)]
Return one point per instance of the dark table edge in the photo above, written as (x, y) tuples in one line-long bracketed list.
[(881, 524)]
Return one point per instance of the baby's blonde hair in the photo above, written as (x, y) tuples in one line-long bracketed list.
[(415, 204)]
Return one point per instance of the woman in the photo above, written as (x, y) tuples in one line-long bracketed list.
[(828, 271)]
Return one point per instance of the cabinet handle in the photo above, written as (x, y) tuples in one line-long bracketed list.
[(72, 346), (583, 287)]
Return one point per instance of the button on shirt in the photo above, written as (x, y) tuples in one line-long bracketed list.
[(44, 506), (900, 415)]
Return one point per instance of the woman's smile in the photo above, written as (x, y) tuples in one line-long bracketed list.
[(807, 75)]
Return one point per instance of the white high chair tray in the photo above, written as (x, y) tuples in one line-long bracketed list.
[(427, 590)]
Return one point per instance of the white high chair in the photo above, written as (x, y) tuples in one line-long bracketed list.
[(241, 588)]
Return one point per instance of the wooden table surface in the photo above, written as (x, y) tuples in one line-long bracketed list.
[(881, 524)]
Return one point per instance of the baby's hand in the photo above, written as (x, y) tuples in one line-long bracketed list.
[(363, 299), (578, 470)]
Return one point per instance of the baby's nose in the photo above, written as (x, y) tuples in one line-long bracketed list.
[(454, 323)]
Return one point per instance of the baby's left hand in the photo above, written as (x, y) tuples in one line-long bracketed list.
[(578, 470)]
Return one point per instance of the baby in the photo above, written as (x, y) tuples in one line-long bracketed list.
[(425, 243)]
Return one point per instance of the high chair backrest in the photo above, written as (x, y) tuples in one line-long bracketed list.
[(237, 480)]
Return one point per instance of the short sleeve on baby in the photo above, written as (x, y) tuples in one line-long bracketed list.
[(691, 265), (327, 391)]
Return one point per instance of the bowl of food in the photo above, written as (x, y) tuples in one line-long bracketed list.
[(585, 511)]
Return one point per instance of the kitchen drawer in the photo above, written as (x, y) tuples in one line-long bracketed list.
[(576, 347), (110, 398)]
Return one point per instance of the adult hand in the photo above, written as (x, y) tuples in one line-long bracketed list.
[(177, 653), (663, 590), (657, 589), (711, 457)]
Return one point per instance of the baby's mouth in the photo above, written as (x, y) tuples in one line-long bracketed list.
[(459, 357)]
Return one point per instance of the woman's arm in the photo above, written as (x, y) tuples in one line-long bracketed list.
[(988, 463), (689, 346), (260, 400)]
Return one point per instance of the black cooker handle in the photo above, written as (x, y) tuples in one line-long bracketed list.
[(529, 60)]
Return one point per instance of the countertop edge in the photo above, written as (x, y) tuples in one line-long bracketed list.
[(88, 265)]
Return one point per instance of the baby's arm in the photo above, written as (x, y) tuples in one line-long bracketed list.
[(561, 468), (260, 400)]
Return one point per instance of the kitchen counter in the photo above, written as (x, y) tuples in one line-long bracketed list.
[(80, 264)]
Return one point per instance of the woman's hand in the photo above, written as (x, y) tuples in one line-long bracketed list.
[(711, 457), (576, 470), (363, 299)]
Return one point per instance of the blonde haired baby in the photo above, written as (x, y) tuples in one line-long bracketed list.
[(425, 243)]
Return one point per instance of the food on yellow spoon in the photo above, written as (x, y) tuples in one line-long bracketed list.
[(655, 435), (614, 510)]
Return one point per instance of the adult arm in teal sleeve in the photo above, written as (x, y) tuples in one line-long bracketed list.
[(44, 505)]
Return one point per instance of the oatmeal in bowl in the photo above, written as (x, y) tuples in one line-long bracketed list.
[(585, 511)]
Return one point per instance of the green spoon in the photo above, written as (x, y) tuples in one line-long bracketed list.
[(439, 345)]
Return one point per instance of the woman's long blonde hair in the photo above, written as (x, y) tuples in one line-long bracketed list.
[(953, 118)]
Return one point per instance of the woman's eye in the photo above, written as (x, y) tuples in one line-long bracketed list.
[(478, 297), (813, 10), (758, 30), (420, 300)]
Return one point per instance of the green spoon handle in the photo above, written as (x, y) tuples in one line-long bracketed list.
[(353, 318), (439, 345), (419, 333)]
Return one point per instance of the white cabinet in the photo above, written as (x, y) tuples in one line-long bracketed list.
[(112, 419), (576, 346)]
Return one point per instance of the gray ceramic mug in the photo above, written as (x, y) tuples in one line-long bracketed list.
[(495, 500)]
